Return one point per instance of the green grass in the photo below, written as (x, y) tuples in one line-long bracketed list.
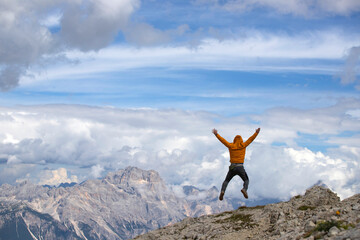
[(223, 214), (325, 226), (250, 208), (239, 221), (240, 217)]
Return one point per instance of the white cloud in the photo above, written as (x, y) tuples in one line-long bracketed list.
[(351, 68), (309, 8), (38, 33), (26, 38), (56, 177), (23, 41), (143, 34), (257, 51), (180, 146), (354, 113), (276, 172), (13, 160), (92, 25), (52, 20), (339, 7), (97, 170), (328, 120), (178, 190), (11, 173), (10, 139)]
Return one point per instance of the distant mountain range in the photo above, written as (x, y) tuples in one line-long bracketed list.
[(122, 205)]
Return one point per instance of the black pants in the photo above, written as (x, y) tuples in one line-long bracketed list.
[(236, 169)]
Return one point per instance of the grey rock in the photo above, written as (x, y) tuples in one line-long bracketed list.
[(356, 207), (353, 234), (310, 225), (333, 231)]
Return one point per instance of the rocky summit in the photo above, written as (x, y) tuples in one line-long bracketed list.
[(122, 205), (318, 214)]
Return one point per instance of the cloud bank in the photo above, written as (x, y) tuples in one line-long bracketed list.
[(56, 177), (90, 141)]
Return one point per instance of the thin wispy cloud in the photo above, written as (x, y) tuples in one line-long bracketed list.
[(258, 51), (310, 8)]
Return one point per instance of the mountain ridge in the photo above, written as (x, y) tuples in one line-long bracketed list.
[(318, 214)]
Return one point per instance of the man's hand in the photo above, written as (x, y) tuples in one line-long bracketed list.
[(214, 131), (258, 130)]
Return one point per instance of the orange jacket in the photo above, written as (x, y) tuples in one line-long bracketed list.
[(237, 148)]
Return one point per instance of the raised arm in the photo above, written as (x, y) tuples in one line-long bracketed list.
[(221, 139), (252, 137)]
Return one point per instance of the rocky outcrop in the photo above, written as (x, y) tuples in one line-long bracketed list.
[(318, 214), (122, 205)]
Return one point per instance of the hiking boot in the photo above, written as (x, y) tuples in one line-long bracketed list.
[(221, 197), (244, 193)]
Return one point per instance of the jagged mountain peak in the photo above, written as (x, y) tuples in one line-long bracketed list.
[(214, 191), (190, 190), (315, 196), (323, 193), (133, 175), (321, 183)]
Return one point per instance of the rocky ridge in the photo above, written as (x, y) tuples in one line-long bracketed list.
[(122, 205), (318, 214)]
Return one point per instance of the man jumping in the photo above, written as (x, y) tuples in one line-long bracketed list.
[(237, 156)]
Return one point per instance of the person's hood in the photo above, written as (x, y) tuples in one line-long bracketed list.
[(238, 141)]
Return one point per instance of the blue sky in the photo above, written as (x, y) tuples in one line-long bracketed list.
[(88, 85)]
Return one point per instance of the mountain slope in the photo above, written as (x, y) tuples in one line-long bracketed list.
[(18, 221), (317, 214)]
